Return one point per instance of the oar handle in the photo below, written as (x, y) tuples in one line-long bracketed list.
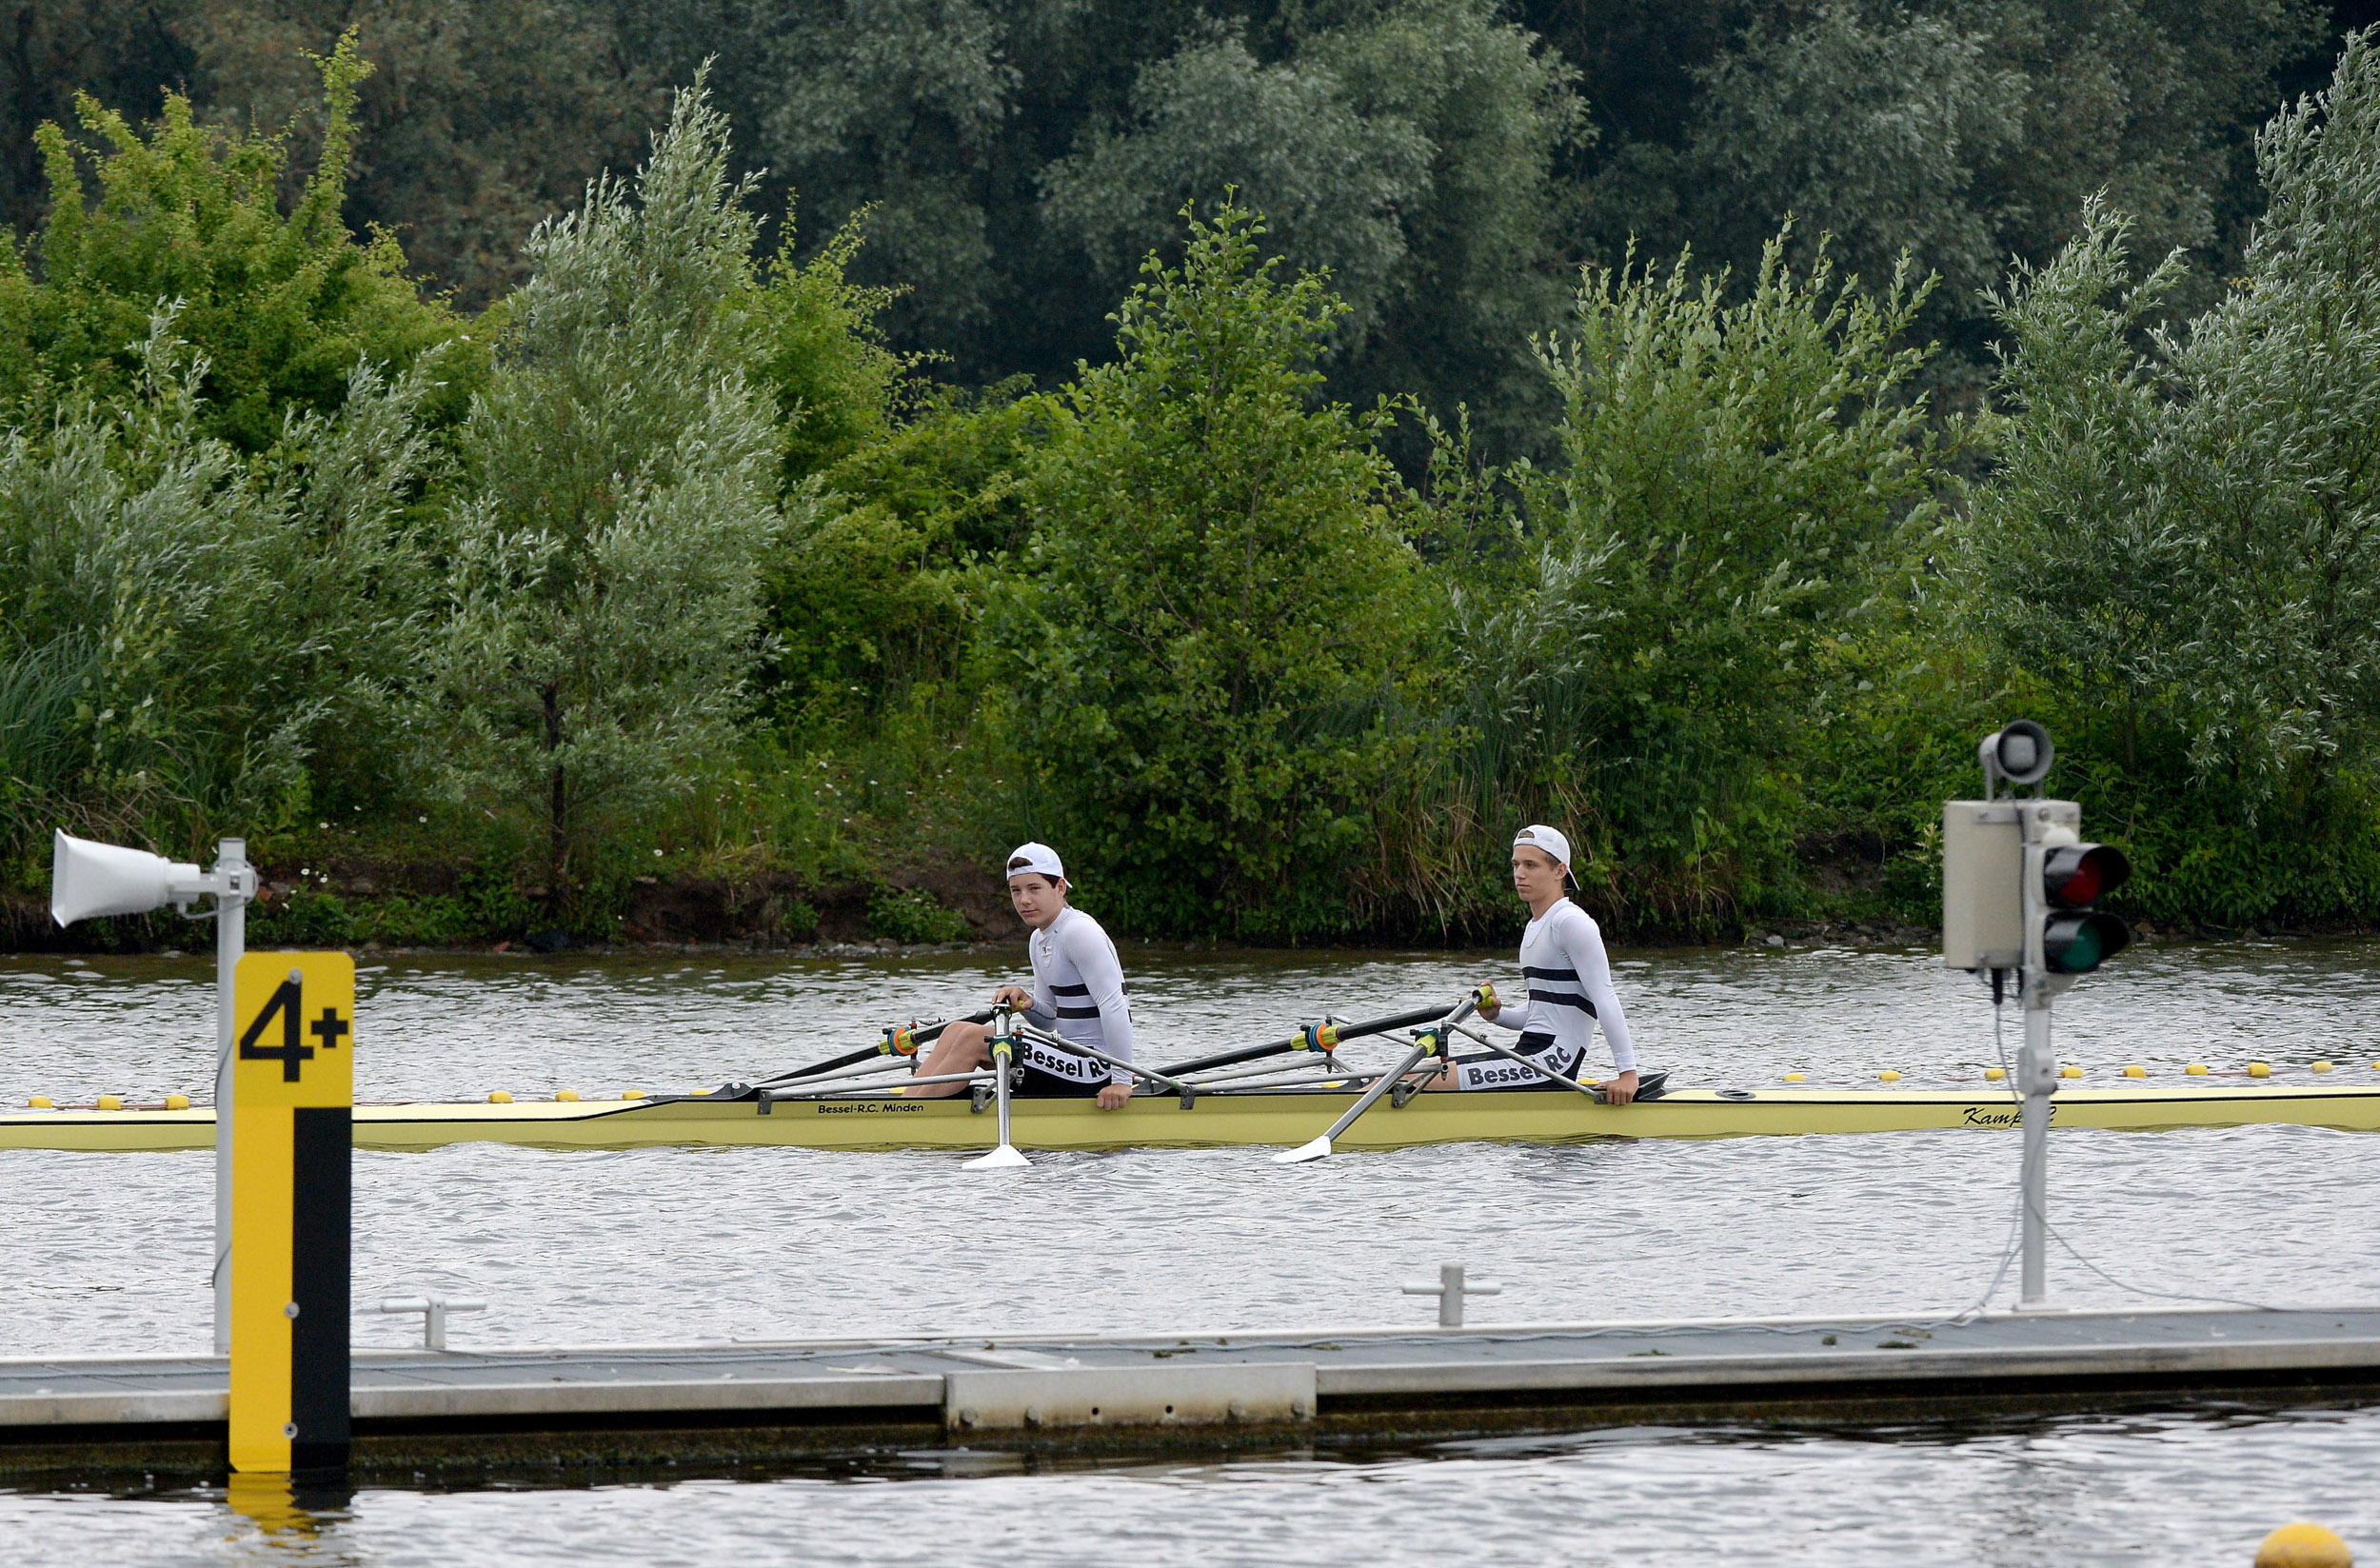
[(1308, 1039), (1432, 1043)]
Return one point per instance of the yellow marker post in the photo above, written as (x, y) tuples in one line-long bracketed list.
[(294, 1093)]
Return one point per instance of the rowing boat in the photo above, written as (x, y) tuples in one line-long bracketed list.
[(1224, 1121)]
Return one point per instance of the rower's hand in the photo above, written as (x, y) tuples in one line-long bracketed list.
[(1620, 1090), (1487, 1002), (1012, 996), (1113, 1097)]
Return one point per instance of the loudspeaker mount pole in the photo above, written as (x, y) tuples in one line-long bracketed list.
[(234, 883)]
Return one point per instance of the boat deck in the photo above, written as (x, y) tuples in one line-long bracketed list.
[(734, 1402)]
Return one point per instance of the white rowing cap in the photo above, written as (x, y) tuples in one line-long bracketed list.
[(1548, 838), (1037, 858)]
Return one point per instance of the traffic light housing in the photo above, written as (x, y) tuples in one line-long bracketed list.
[(2076, 939), (1988, 911)]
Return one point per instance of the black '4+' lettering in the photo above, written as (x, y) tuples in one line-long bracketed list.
[(289, 1003)]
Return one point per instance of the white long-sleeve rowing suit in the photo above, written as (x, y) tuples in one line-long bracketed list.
[(1570, 992), (1079, 995)]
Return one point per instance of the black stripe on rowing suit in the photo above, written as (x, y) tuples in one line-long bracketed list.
[(1070, 990), (1532, 1042), (1570, 975), (1076, 1012), (322, 1182), (1563, 999)]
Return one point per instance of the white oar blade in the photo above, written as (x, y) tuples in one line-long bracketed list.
[(1005, 1157), (1303, 1152)]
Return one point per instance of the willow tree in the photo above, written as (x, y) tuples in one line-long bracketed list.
[(604, 578), (2183, 543)]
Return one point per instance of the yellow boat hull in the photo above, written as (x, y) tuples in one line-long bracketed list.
[(1225, 1120)]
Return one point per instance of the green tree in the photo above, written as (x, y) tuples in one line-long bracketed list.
[(1733, 473), (2182, 545), (605, 554), (120, 53), (477, 121), (280, 306), (822, 356), (1408, 150), (880, 591), (1963, 131), (1330, 181), (1217, 612), (196, 640)]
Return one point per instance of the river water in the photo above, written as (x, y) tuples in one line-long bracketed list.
[(109, 1253)]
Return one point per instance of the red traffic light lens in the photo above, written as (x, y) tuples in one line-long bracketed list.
[(2079, 875)]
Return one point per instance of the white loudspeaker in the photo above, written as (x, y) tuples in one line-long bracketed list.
[(88, 879)]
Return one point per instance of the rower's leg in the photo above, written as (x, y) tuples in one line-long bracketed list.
[(961, 1049)]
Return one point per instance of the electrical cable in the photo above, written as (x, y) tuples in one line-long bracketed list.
[(1999, 1045)]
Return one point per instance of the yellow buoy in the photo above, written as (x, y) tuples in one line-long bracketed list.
[(1889, 1075), (2259, 1069), (498, 1097), (177, 1103), (2070, 1070), (41, 1102), (111, 1103), (2303, 1545), (632, 1094), (1796, 1078), (2196, 1069), (2136, 1070), (2323, 1066), (1994, 1074), (565, 1094)]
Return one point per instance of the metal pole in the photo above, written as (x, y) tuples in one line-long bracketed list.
[(2035, 1067), (231, 895)]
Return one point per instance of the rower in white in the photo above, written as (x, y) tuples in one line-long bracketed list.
[(1078, 993), (1569, 980)]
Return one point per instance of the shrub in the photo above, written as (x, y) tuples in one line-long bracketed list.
[(912, 914)]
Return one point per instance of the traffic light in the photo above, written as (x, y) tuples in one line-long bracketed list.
[(1988, 912), (2076, 938)]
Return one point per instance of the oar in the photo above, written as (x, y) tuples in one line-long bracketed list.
[(1434, 1041), (1314, 1036), (897, 1042), (1004, 1156)]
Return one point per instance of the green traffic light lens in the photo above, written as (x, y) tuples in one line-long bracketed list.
[(2077, 943)]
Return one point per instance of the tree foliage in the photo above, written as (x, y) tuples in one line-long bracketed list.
[(2184, 542), (279, 305), (1733, 475), (194, 637), (1216, 614), (479, 121), (605, 558)]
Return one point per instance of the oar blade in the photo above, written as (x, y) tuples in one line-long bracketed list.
[(1318, 1149), (1005, 1157)]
